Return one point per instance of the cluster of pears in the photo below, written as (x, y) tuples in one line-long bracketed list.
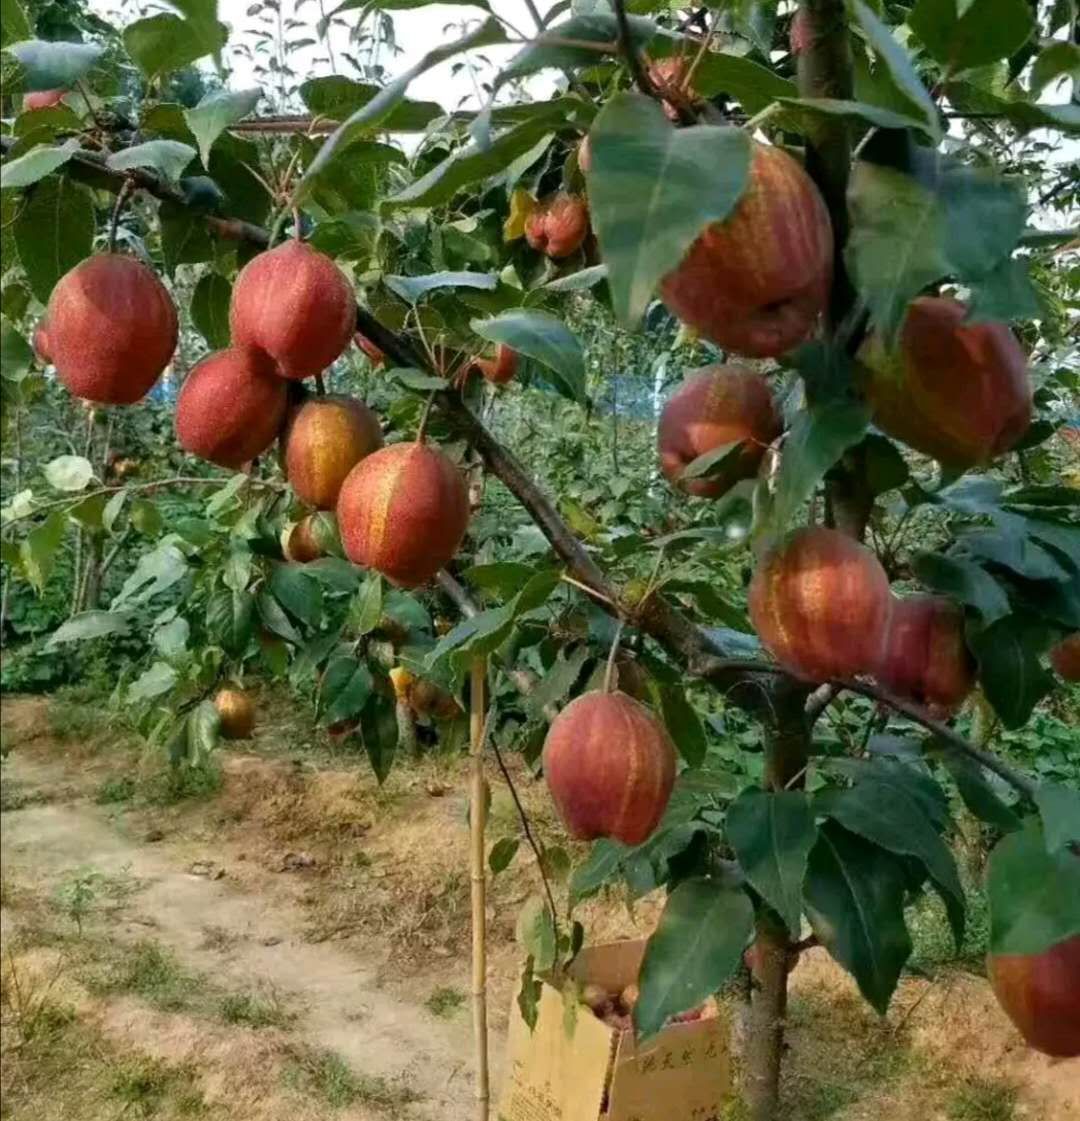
[(110, 330)]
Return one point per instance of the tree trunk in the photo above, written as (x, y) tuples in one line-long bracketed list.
[(787, 746)]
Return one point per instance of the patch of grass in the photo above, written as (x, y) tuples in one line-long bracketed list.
[(933, 946), (983, 1099), (843, 1052), (444, 1002), (14, 797), (151, 971), (145, 1084), (115, 790), (255, 1010), (69, 720), (327, 1075), (180, 784)]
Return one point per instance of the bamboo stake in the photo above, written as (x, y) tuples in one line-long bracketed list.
[(477, 824)]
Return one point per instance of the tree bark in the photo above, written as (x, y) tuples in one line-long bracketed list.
[(787, 749)]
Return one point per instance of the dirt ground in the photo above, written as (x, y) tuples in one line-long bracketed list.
[(293, 944)]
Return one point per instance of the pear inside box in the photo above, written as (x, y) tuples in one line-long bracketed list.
[(576, 1066)]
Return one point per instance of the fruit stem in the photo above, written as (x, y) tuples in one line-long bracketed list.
[(121, 198), (320, 385), (421, 432), (609, 672), (297, 225)]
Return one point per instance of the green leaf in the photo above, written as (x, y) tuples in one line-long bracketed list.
[(41, 160), (16, 356), (1010, 670), (214, 113), (804, 111), (376, 111), (887, 814), (89, 624), (37, 550), (752, 85), (985, 31), (154, 573), (600, 867), (167, 157), (171, 639), (298, 593), (899, 64), (1004, 293), (53, 66), (145, 517), (683, 724), (772, 835), (229, 616), (647, 197), (151, 683), (69, 472), (164, 43), (275, 618), (54, 231), (546, 339), (203, 731), (502, 853), (536, 932), (1054, 61), (210, 309), (965, 581), (1059, 808), (345, 689), (553, 687), (337, 97), (13, 23), (112, 510), (854, 898), (557, 54), (413, 288), (1034, 895), (487, 630), (976, 791), (473, 163), (367, 606), (817, 439), (929, 218), (379, 732), (697, 945)]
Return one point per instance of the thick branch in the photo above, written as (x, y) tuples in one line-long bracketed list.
[(825, 70)]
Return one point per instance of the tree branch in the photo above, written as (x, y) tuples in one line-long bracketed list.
[(745, 681)]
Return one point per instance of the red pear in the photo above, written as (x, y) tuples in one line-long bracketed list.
[(715, 406), (237, 712), (42, 99), (1040, 993), (558, 226), (610, 766), (955, 391), (325, 439), (110, 329), (756, 283), (925, 657), (1065, 657), (403, 511), (296, 305), (500, 369), (231, 407), (820, 603)]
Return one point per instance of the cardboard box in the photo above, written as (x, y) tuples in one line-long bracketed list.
[(578, 1068)]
